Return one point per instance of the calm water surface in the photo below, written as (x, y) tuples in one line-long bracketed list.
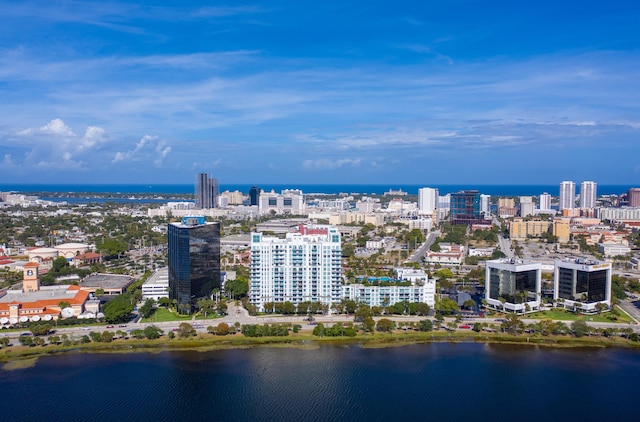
[(470, 382)]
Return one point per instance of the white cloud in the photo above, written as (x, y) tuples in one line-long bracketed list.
[(327, 164), (148, 148), (7, 162)]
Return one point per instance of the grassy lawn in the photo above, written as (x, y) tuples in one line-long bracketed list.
[(163, 315), (562, 315)]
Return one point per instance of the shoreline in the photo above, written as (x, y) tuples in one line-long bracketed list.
[(18, 357)]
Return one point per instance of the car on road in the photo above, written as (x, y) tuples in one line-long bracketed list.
[(122, 325), (109, 326)]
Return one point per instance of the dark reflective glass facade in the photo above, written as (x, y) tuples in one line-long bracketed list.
[(514, 287), (588, 286), (465, 207), (194, 263)]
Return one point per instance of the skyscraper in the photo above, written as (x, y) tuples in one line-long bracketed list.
[(567, 195), (206, 191), (194, 261), (428, 201), (254, 195), (588, 194)]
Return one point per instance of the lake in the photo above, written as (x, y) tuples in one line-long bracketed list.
[(439, 381)]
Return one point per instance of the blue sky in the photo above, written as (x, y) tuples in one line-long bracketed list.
[(419, 92)]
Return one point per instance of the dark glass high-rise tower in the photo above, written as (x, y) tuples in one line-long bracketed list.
[(206, 191), (194, 261), (254, 195)]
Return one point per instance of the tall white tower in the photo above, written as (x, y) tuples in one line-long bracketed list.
[(588, 194), (567, 195), (427, 201), (545, 201)]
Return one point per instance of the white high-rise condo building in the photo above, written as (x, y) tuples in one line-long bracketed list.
[(526, 206), (588, 194), (545, 201), (485, 204), (567, 195), (428, 201), (304, 266)]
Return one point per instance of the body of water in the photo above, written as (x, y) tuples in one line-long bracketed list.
[(441, 381), (497, 190)]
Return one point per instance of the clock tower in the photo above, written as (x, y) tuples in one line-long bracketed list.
[(30, 279)]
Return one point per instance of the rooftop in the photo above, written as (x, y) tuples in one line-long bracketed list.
[(107, 281)]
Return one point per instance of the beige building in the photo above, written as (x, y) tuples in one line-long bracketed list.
[(520, 229), (562, 229)]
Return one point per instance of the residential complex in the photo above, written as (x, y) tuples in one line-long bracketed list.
[(194, 260), (422, 289), (304, 266), (428, 201), (567, 195), (588, 194)]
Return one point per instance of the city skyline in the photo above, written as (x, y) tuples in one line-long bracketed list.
[(438, 93)]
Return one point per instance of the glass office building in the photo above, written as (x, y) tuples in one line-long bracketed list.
[(194, 261), (465, 208), (513, 285), (582, 283)]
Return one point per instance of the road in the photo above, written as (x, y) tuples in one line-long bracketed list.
[(419, 253), (240, 315)]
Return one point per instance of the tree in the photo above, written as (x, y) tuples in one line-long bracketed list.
[(222, 329), (171, 335), (148, 308), (207, 306), (580, 328), (425, 325), (118, 310), (385, 325), (447, 306), (350, 306), (26, 340), (236, 288), (512, 324), (152, 332), (362, 312), (368, 324), (106, 337), (99, 292), (477, 327), (40, 329), (64, 304), (469, 304), (186, 330), (4, 341)]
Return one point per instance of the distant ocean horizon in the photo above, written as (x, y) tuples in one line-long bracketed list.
[(370, 189)]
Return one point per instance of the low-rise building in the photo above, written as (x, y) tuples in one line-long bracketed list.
[(421, 290), (449, 254), (157, 286)]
